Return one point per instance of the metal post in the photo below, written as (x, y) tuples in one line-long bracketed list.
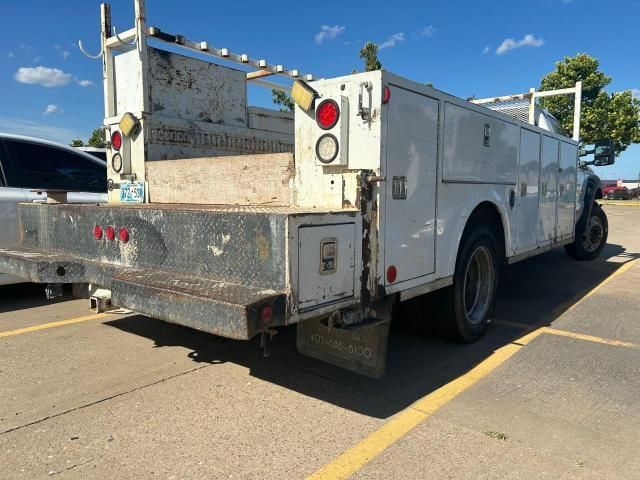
[(141, 35), (532, 106), (107, 60), (576, 112)]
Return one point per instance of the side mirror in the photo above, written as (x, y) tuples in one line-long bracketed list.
[(604, 153)]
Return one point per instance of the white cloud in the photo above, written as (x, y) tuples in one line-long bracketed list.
[(426, 31), (65, 54), (636, 93), (37, 59), (11, 55), (328, 32), (47, 77), (528, 40), (392, 40), (486, 50), (51, 108), (39, 130), (84, 83)]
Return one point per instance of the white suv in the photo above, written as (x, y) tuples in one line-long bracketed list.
[(28, 164)]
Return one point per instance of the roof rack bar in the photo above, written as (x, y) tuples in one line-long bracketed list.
[(224, 53)]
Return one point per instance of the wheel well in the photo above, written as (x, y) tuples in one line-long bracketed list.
[(598, 194), (487, 214)]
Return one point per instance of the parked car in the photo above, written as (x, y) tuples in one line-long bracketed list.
[(612, 192), (28, 164), (100, 153)]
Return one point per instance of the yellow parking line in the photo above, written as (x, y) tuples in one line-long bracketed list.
[(45, 326), (588, 338), (356, 457)]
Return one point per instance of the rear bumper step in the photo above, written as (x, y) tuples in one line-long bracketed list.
[(221, 308)]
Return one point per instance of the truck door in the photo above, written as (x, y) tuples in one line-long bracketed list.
[(410, 186), (548, 190), (567, 189), (529, 193)]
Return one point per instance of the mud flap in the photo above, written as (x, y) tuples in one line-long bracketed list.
[(361, 348)]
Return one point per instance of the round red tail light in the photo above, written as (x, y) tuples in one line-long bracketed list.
[(116, 140), (392, 274), (123, 234), (327, 114), (265, 314), (97, 232), (110, 233)]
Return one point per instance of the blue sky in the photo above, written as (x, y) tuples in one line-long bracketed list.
[(454, 44)]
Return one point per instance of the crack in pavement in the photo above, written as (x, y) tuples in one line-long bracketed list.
[(80, 407)]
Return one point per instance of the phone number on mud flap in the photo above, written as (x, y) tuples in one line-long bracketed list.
[(350, 348)]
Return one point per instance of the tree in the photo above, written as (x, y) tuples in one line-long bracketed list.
[(285, 101), (97, 139), (604, 115), (369, 53), (77, 143)]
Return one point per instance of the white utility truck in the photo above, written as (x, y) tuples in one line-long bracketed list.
[(235, 220)]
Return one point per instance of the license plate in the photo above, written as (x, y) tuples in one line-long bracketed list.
[(132, 192)]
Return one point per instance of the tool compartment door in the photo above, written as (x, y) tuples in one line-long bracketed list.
[(326, 264), (567, 189), (548, 190), (410, 186)]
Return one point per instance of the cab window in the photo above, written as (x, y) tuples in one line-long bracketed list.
[(48, 167)]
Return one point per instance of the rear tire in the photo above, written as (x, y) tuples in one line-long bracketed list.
[(589, 244), (466, 306)]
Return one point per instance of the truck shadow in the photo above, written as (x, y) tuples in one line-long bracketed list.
[(21, 296), (532, 293)]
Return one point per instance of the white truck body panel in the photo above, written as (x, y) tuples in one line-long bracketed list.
[(454, 156), (410, 165)]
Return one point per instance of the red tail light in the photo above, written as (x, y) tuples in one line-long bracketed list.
[(327, 114), (116, 140), (265, 314), (123, 234), (110, 233), (97, 232), (386, 95), (392, 274)]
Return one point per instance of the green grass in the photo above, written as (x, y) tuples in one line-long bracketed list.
[(496, 435)]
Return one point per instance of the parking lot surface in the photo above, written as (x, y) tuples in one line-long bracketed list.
[(550, 392)]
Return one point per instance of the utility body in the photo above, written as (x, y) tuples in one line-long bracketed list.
[(379, 190)]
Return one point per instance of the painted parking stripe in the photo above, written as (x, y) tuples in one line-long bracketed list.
[(46, 326)]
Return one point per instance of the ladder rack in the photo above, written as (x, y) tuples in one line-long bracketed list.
[(136, 38)]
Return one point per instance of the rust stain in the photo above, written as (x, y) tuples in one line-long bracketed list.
[(263, 246)]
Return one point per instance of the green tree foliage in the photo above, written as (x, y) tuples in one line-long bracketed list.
[(285, 101), (77, 143), (97, 139), (604, 115), (369, 53)]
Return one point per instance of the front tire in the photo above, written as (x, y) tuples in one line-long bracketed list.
[(468, 304), (589, 244)]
